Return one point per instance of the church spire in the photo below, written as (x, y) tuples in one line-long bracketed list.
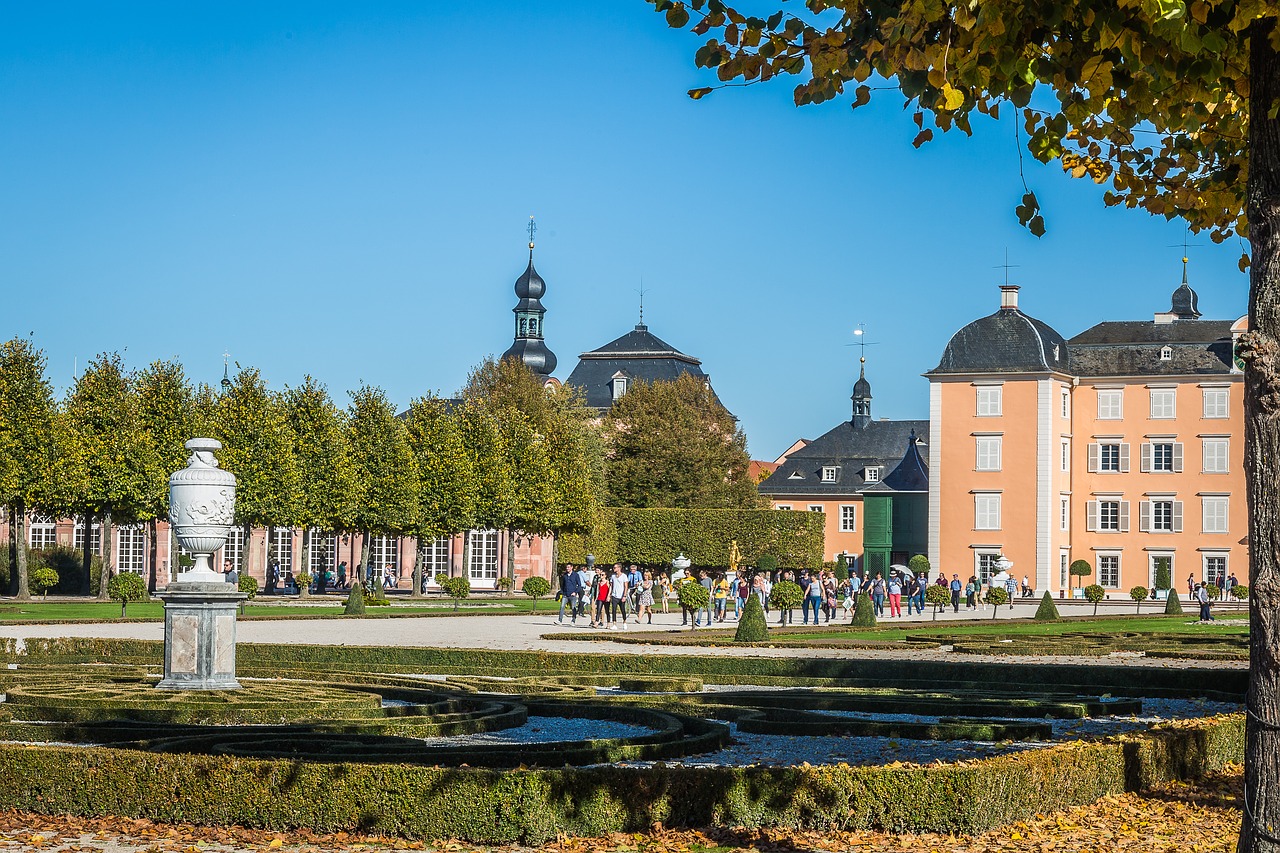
[(861, 396), (528, 345), (1184, 298)]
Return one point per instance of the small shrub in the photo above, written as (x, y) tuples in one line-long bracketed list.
[(996, 596), (1172, 606), (1164, 576), (938, 596), (1240, 592), (1094, 593), (1047, 611), (125, 587), (693, 595), (841, 568), (440, 579), (535, 587), (1080, 569), (786, 596), (355, 601), (249, 586), (864, 615), (505, 583), (42, 579), (303, 580), (457, 589), (1213, 591), (1139, 594), (752, 628)]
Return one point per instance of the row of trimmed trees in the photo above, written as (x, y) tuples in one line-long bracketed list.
[(508, 455)]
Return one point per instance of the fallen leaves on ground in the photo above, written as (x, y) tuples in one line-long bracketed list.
[(1201, 817)]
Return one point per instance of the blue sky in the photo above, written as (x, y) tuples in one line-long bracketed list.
[(342, 190)]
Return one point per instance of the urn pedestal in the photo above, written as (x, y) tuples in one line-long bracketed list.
[(200, 607)]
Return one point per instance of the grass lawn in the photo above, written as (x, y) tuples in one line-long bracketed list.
[(1184, 624), (106, 611)]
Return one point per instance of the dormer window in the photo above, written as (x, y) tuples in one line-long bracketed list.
[(1166, 353), (795, 475), (619, 386), (829, 473), (871, 475)]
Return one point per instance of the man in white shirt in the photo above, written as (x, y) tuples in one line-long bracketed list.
[(617, 596)]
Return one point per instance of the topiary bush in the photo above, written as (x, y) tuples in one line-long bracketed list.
[(1240, 592), (457, 589), (1213, 590), (303, 580), (1094, 593), (938, 596), (42, 579), (1172, 606), (996, 596), (125, 587), (249, 586), (504, 584), (535, 587), (693, 597), (841, 568), (355, 601), (1080, 569), (786, 596), (919, 565), (1047, 611), (864, 614), (440, 578), (1139, 594), (752, 628), (1164, 575)]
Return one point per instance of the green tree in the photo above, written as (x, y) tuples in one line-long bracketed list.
[(671, 444), (1170, 102), (1094, 593), (386, 475), (1139, 594), (1047, 611), (34, 449), (996, 596), (447, 483), (42, 580), (535, 587), (167, 415), (919, 565), (118, 467), (326, 476), (491, 463), (842, 568), (938, 596), (1080, 569), (258, 447), (125, 587), (456, 588)]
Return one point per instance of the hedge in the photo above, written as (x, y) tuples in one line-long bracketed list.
[(654, 536), (533, 806)]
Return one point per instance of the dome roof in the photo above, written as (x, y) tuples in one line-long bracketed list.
[(530, 285), (862, 388), (534, 354), (1007, 341)]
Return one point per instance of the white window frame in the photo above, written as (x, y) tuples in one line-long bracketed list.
[(1066, 403), (95, 536), (1166, 353), (323, 555), (1110, 404), (131, 549), (817, 508), (483, 563), (619, 387), (1100, 517), (784, 506), (1066, 455), (437, 557), (1064, 565), (1064, 512), (871, 474), (281, 546), (232, 549), (1160, 515), (1097, 457), (1215, 455), (989, 452), (42, 531), (1217, 403), (848, 518), (990, 402), (829, 473), (1164, 404), (1162, 456), (984, 563), (1215, 514), (384, 549), (1209, 573), (1108, 570), (986, 510)]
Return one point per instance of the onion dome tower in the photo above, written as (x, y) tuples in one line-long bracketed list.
[(1185, 301), (529, 346), (861, 397)]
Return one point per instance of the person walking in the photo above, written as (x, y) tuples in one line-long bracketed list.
[(705, 580), (570, 590), (956, 587), (1202, 596), (644, 604), (970, 593), (618, 598), (895, 595), (812, 598), (720, 596), (877, 594), (599, 595), (664, 590)]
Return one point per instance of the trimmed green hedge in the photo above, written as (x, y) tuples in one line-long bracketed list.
[(532, 806), (654, 536)]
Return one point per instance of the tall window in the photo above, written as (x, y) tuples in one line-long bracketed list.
[(1162, 403), (384, 551), (435, 556), (282, 548), (1214, 514), (131, 549), (1160, 515), (1214, 455), (483, 564), (1109, 457), (1107, 515), (986, 512), (989, 400), (1216, 403), (988, 452), (1110, 404), (234, 549), (848, 518), (1215, 569), (986, 564), (1066, 454), (1066, 403), (324, 553), (1064, 513), (95, 536), (1064, 562), (42, 531), (1162, 456), (1109, 570)]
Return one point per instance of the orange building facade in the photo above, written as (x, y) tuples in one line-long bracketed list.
[(1121, 447)]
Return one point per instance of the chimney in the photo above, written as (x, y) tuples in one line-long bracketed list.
[(1009, 297)]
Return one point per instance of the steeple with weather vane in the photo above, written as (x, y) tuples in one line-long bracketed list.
[(528, 345)]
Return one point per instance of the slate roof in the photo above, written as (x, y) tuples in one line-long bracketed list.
[(850, 449), (639, 355), (1132, 348), (911, 475), (1007, 341)]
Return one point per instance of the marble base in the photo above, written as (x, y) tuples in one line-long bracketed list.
[(200, 636)]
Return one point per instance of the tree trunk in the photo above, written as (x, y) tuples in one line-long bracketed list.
[(304, 559), (511, 558), (1262, 444), (465, 570), (418, 549), (104, 576), (153, 550), (19, 513), (366, 548), (246, 555), (86, 558)]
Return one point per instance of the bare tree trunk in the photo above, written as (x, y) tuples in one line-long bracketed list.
[(19, 513), (418, 554), (366, 548), (153, 551), (304, 559), (86, 559), (246, 555), (1261, 354), (104, 576), (465, 570)]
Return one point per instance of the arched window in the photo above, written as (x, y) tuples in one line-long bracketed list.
[(533, 327), (524, 326)]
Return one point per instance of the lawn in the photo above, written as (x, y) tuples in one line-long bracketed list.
[(1184, 624), (107, 611)]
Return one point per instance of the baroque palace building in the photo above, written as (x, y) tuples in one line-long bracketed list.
[(1121, 447)]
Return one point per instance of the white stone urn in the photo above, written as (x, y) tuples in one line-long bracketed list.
[(681, 562), (202, 506)]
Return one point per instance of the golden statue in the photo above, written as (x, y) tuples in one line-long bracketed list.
[(735, 556)]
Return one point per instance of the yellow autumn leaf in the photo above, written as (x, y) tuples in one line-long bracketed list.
[(952, 98)]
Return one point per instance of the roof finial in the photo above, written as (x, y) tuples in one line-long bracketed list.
[(532, 230), (1006, 266), (861, 341), (641, 292), (226, 380)]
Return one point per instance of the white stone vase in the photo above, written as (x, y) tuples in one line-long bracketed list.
[(202, 507)]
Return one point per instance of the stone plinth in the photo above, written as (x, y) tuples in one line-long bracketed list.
[(200, 636)]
